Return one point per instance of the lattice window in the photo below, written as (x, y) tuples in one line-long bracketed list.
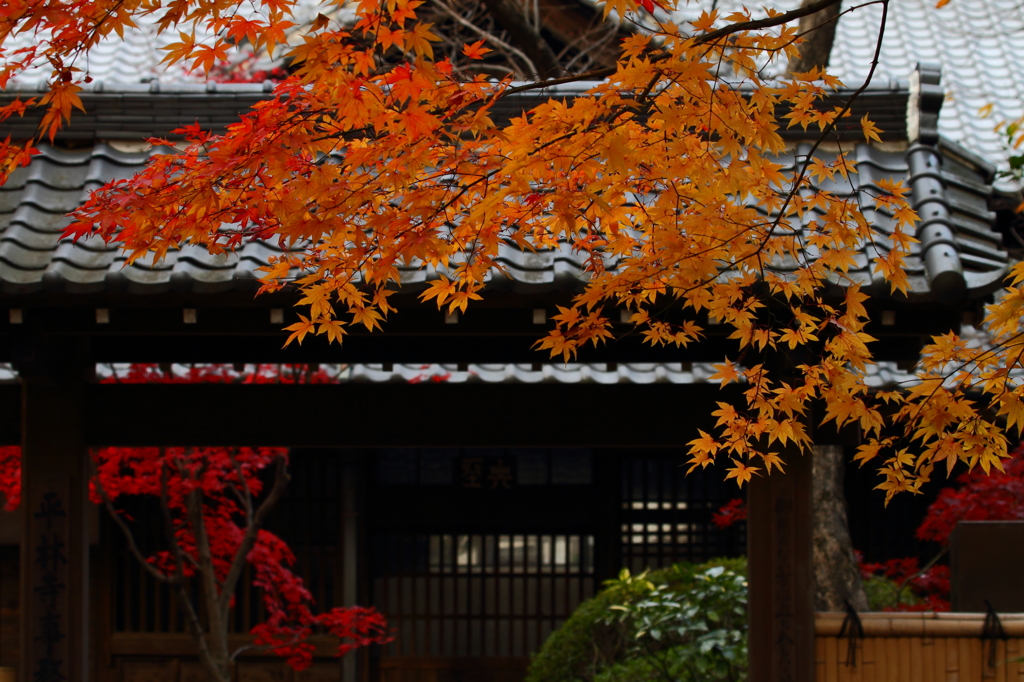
[(483, 468), (479, 595), (666, 514)]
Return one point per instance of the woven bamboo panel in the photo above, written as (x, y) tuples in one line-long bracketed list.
[(919, 648)]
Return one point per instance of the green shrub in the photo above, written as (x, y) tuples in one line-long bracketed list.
[(686, 622), (884, 594)]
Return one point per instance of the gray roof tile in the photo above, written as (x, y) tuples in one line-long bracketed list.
[(574, 373), (977, 42), (33, 256), (884, 374)]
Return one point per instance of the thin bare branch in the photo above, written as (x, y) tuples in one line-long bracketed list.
[(529, 40), (281, 479), (128, 535), (491, 38)]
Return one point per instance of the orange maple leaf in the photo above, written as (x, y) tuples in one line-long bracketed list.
[(741, 472), (475, 50)]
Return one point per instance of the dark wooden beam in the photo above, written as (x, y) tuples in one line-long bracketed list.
[(481, 348), (400, 415), (534, 414), (450, 348), (230, 329)]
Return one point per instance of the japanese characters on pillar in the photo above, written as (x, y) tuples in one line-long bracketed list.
[(55, 544), (49, 579)]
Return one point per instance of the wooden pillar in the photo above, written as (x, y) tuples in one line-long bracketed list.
[(349, 555), (55, 543), (781, 607)]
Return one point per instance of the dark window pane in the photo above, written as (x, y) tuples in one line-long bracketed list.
[(436, 466), (396, 467), (532, 466), (570, 467)]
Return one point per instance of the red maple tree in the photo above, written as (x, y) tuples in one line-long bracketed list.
[(997, 496), (245, 69), (10, 476), (214, 501), (730, 513)]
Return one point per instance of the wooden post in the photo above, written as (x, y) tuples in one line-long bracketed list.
[(55, 542), (781, 576), (349, 554)]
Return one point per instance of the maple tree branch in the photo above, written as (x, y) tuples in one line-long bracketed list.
[(922, 571), (828, 130), (244, 495), (767, 22), (295, 639), (963, 386), (165, 511), (216, 615), (709, 37), (281, 479), (195, 626), (184, 599), (178, 579), (490, 37), (128, 535)]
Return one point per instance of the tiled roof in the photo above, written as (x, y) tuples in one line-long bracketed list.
[(976, 42), (881, 375), (956, 233), (572, 373), (33, 208), (877, 376), (139, 111), (137, 58)]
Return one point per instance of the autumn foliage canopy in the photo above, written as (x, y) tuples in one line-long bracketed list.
[(665, 173)]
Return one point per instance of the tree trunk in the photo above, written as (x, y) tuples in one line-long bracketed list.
[(212, 646), (819, 32), (218, 661), (836, 574)]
